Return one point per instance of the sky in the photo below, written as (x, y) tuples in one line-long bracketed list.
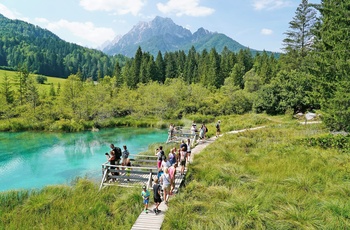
[(257, 24)]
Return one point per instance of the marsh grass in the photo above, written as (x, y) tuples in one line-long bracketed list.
[(265, 179), (81, 206)]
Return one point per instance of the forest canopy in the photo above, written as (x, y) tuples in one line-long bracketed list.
[(312, 74)]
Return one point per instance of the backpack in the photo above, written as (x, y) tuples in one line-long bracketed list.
[(206, 129), (161, 155), (217, 125), (117, 152)]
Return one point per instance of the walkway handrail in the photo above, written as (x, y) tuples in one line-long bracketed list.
[(107, 167)]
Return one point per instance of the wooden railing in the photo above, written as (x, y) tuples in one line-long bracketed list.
[(179, 135), (141, 171)]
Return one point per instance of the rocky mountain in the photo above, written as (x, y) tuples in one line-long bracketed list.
[(162, 34)]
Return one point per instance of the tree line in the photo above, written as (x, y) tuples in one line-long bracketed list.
[(311, 74)]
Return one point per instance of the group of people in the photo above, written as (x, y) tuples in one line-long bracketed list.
[(202, 130), (165, 179), (166, 165), (118, 157)]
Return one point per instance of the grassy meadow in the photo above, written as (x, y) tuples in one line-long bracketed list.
[(79, 207), (270, 178), (265, 179), (43, 88)]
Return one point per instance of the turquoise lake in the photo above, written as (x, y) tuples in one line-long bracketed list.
[(31, 160)]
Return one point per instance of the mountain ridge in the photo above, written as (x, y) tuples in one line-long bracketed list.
[(162, 34)]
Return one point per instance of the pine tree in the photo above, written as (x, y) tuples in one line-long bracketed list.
[(6, 90), (331, 56), (160, 68), (300, 37)]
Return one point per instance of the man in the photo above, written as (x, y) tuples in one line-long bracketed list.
[(157, 195), (217, 126), (118, 154), (159, 153)]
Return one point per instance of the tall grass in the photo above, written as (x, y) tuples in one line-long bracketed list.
[(79, 207), (265, 179)]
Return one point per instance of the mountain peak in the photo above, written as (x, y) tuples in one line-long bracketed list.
[(162, 34)]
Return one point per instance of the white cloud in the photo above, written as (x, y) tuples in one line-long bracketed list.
[(118, 6), (271, 4), (184, 7), (11, 14), (7, 12), (266, 32), (84, 31), (41, 20)]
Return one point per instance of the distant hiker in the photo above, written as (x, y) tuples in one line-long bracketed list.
[(193, 128), (125, 155), (188, 149), (202, 131), (205, 130), (182, 161), (156, 195), (159, 153), (171, 131), (165, 179), (217, 126), (145, 195)]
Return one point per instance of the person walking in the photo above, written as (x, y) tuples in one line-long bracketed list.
[(145, 195), (156, 195), (165, 180), (188, 155), (172, 172), (183, 154), (217, 126), (159, 153)]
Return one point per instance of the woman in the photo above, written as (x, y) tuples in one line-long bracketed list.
[(166, 181), (111, 158), (172, 156), (188, 149)]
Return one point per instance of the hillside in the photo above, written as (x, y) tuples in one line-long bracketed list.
[(41, 51)]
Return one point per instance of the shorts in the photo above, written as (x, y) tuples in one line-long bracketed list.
[(157, 200), (183, 162), (145, 201), (159, 164), (166, 188)]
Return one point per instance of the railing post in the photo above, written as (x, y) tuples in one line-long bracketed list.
[(149, 182), (103, 178)]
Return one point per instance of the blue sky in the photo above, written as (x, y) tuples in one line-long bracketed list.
[(258, 24)]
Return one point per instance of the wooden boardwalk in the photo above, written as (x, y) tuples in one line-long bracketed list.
[(151, 221)]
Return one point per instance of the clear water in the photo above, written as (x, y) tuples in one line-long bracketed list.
[(34, 159)]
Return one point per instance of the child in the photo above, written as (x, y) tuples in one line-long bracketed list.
[(157, 195), (145, 195)]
